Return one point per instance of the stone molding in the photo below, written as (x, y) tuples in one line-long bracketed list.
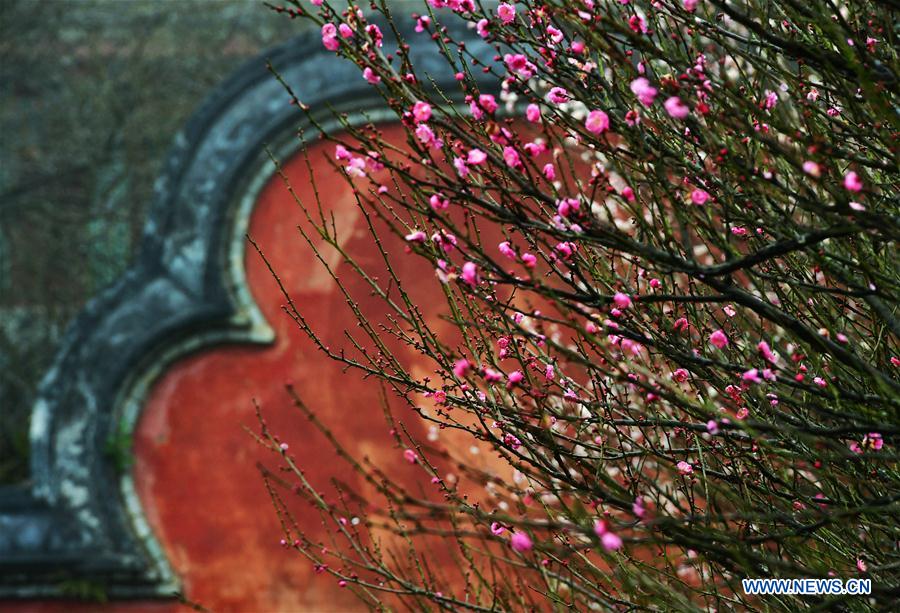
[(78, 518)]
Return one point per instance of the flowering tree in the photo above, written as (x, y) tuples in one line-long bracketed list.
[(666, 239)]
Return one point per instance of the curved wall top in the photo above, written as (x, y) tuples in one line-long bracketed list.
[(78, 517)]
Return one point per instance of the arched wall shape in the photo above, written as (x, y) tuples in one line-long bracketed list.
[(78, 518)]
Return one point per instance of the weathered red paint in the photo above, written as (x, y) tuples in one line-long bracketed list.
[(195, 467)]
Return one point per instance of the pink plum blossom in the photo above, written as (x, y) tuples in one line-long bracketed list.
[(611, 542), (421, 111), (608, 539), (558, 95), (520, 542), (427, 136), (511, 157), (565, 249), (506, 12), (445, 240), (438, 202), (637, 24), (470, 273), (567, 206), (676, 108), (718, 339), (766, 352), (476, 157), (511, 440), (638, 508), (485, 103), (461, 168), (873, 441), (555, 34), (751, 376), (356, 167), (461, 367), (535, 148), (329, 37), (597, 122), (622, 301), (699, 196), (375, 33), (645, 92), (852, 182), (519, 64), (370, 76)]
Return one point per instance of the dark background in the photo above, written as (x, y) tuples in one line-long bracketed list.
[(92, 92)]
